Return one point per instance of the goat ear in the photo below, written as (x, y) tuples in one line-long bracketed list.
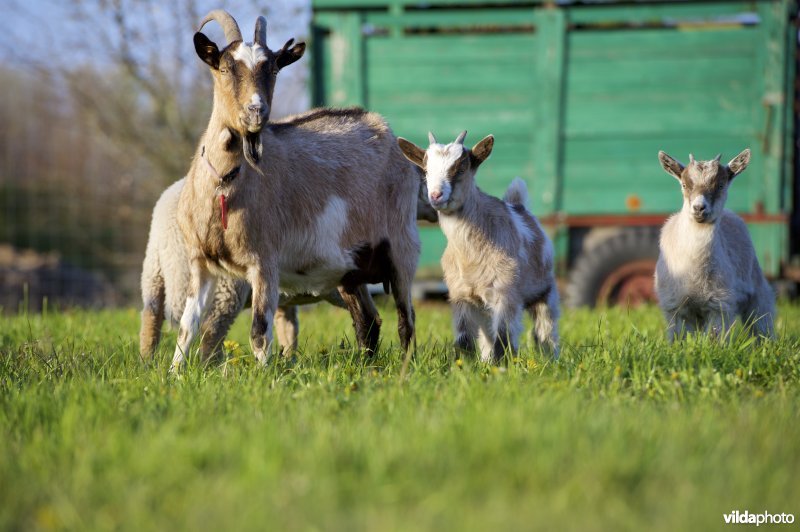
[(739, 163), (481, 151), (287, 55), (413, 153), (206, 50), (672, 167)]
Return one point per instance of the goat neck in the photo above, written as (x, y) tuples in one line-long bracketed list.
[(692, 244), (461, 225), (221, 147), (470, 207)]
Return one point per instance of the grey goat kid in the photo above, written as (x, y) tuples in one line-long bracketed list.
[(707, 272), (498, 261), (319, 201)]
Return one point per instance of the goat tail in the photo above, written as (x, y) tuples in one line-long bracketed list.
[(517, 192)]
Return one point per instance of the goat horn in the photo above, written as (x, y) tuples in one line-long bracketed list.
[(224, 19), (691, 159), (286, 46), (460, 138), (261, 32), (718, 157), (431, 138)]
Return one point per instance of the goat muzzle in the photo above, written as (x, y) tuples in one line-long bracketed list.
[(701, 213), (254, 117)]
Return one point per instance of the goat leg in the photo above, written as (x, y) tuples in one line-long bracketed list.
[(287, 327), (201, 287), (366, 321), (264, 283)]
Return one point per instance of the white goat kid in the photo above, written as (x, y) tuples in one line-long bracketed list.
[(707, 272), (498, 260)]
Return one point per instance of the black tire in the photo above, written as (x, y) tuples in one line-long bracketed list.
[(594, 265)]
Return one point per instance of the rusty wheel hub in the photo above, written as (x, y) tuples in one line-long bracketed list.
[(630, 285)]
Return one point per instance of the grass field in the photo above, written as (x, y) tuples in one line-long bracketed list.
[(623, 433)]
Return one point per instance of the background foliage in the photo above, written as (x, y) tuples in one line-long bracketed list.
[(103, 102)]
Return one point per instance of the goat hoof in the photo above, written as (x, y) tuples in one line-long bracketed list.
[(262, 358)]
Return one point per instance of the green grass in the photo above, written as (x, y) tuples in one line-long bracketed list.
[(623, 433)]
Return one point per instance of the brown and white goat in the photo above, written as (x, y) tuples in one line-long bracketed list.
[(498, 260), (707, 272), (317, 201), (165, 282)]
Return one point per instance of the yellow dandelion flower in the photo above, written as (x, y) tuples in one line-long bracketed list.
[(233, 347)]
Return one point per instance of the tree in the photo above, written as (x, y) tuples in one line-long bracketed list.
[(104, 101), (130, 67)]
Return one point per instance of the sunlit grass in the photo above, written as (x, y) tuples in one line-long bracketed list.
[(623, 432)]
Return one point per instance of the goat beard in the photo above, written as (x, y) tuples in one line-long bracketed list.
[(252, 149)]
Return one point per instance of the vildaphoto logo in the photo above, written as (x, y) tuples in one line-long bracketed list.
[(746, 518)]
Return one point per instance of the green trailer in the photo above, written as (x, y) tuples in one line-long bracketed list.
[(580, 98)]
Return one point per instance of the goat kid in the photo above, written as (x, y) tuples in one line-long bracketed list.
[(707, 272), (498, 260)]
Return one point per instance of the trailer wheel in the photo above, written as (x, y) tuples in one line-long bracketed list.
[(616, 270)]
